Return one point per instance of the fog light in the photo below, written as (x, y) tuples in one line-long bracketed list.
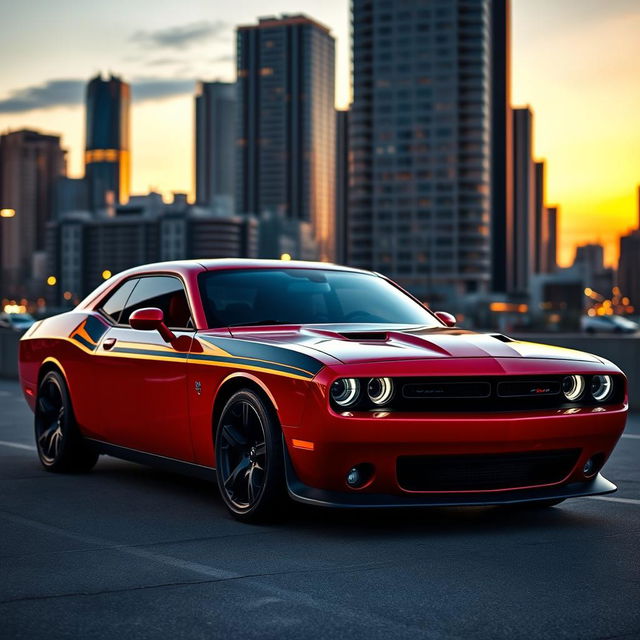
[(353, 477), (589, 467), (360, 475)]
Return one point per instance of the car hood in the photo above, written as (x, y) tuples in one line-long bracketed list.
[(352, 344)]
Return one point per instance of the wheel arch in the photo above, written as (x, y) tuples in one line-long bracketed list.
[(52, 364), (235, 382)]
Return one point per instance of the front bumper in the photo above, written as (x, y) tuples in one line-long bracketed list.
[(317, 475)]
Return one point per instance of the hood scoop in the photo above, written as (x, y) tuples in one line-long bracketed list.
[(501, 337), (365, 336)]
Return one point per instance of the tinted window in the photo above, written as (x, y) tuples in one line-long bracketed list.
[(306, 296), (116, 301), (165, 293)]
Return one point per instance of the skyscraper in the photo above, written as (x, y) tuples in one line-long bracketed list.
[(521, 235), (420, 126), (107, 151), (501, 143), (286, 124), (342, 184), (629, 264), (539, 212), (215, 145), (550, 240), (30, 165)]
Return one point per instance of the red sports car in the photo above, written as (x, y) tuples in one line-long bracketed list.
[(327, 384)]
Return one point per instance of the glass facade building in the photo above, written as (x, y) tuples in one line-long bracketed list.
[(420, 128), (107, 151), (215, 145), (286, 124)]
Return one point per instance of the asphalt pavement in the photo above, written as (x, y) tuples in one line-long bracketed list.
[(131, 552)]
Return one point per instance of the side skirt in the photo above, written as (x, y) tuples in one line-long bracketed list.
[(153, 460)]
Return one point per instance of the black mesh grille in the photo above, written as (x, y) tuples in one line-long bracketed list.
[(485, 472)]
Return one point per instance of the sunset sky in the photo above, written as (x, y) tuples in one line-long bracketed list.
[(575, 62)]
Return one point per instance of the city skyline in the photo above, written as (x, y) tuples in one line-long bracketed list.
[(556, 63)]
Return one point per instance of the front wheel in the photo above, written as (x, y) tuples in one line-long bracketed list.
[(61, 447), (249, 458)]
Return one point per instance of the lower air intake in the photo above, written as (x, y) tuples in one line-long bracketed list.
[(485, 472)]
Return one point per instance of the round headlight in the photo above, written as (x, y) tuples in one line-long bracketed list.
[(573, 387), (345, 391), (601, 387), (380, 390)]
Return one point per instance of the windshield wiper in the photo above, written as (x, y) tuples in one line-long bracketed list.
[(259, 322)]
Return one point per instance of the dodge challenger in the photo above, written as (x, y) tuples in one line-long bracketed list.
[(318, 383)]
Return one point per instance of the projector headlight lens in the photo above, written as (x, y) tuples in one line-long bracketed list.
[(380, 390), (601, 387), (573, 387), (345, 391)]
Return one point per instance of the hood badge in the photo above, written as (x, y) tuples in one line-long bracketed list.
[(198, 386)]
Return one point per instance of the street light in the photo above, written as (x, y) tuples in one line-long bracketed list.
[(106, 274), (7, 213), (51, 281), (285, 257)]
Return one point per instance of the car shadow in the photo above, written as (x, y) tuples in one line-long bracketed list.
[(203, 496)]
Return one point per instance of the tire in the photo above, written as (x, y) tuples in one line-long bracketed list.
[(61, 447), (250, 459)]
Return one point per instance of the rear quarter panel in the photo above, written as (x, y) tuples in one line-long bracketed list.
[(67, 341)]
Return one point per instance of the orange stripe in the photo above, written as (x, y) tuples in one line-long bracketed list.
[(303, 444)]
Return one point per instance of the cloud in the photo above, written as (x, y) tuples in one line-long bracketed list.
[(180, 37), (55, 93), (70, 92), (225, 57), (157, 88)]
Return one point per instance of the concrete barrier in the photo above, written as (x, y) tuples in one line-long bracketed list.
[(624, 351), (9, 353)]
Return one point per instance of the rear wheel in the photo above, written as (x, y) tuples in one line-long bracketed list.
[(249, 458), (61, 447)]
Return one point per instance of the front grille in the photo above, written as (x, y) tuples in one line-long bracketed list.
[(490, 393), (479, 472)]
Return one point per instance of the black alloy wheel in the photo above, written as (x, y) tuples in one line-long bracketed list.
[(60, 445), (249, 458)]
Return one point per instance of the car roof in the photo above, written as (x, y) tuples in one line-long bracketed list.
[(215, 264)]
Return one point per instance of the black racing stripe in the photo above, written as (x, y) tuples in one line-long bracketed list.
[(249, 362), (270, 353), (84, 342), (150, 352), (268, 366)]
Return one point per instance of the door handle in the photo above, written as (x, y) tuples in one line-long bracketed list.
[(109, 344)]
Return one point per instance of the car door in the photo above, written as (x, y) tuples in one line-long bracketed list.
[(141, 378)]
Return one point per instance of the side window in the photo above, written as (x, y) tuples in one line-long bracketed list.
[(165, 293), (116, 301)]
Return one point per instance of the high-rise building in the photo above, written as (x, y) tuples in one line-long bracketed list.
[(420, 144), (286, 124), (107, 152), (342, 185), (30, 165), (501, 143), (539, 212), (522, 231), (629, 264), (550, 240), (215, 143)]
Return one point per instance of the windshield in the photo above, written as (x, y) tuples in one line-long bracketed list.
[(306, 296)]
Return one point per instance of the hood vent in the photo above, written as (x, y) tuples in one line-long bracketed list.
[(365, 336), (499, 336)]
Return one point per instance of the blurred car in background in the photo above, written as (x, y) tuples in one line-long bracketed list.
[(16, 321), (608, 324)]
